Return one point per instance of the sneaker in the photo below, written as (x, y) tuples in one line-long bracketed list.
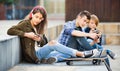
[(111, 54), (51, 60), (48, 61), (88, 53), (103, 54), (96, 53)]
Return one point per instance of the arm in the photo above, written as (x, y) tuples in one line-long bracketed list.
[(17, 30), (69, 29), (23, 29), (83, 34), (79, 33)]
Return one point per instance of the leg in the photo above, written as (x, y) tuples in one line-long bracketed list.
[(83, 43), (74, 44), (51, 46), (59, 56), (111, 54), (97, 46)]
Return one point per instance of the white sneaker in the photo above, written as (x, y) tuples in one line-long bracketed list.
[(96, 53)]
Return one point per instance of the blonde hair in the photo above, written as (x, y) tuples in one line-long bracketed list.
[(95, 18)]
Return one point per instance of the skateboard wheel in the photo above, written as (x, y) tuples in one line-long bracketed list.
[(96, 62), (99, 61), (69, 62)]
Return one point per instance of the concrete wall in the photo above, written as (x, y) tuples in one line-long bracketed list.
[(9, 52), (111, 33), (53, 32)]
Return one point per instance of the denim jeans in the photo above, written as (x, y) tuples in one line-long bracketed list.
[(58, 56), (95, 46), (44, 51), (79, 43)]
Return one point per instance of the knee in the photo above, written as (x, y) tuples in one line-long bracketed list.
[(52, 42)]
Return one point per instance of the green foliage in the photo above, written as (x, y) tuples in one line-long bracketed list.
[(7, 1)]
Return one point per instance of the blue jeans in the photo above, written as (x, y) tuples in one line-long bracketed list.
[(44, 51), (58, 56), (80, 43), (95, 46)]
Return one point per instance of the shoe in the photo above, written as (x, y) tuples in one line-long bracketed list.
[(96, 53), (103, 54), (88, 53), (111, 54), (50, 60)]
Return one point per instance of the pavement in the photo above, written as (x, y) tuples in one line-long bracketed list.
[(77, 66)]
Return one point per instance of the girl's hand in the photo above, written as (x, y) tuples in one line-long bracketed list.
[(33, 36)]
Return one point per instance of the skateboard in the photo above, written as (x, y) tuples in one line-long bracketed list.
[(95, 61)]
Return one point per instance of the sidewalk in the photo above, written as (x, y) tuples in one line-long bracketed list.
[(78, 66)]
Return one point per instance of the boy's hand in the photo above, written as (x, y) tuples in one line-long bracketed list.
[(93, 35), (96, 40)]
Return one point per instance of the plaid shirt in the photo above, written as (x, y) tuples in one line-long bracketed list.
[(66, 32)]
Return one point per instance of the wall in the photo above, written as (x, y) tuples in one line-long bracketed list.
[(106, 10), (111, 33), (9, 52)]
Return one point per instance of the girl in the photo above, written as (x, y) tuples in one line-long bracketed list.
[(96, 43), (31, 31)]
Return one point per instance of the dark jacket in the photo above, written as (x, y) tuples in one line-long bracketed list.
[(27, 44)]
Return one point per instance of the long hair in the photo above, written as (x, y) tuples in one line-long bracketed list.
[(42, 25)]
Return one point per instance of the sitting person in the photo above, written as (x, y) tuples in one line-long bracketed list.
[(96, 43)]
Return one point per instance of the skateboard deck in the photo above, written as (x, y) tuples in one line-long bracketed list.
[(96, 61), (80, 59)]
